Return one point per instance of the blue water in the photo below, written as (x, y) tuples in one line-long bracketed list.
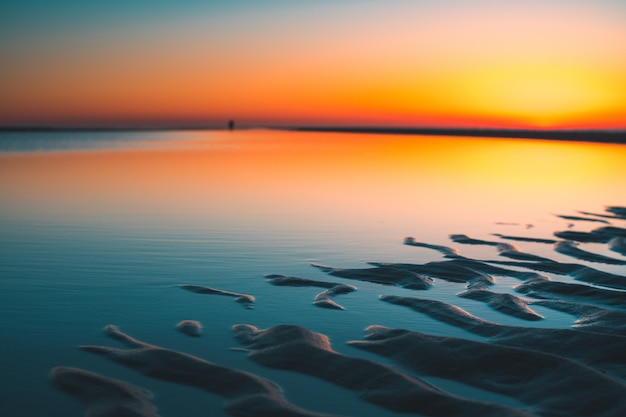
[(62, 279), (61, 285), (24, 141)]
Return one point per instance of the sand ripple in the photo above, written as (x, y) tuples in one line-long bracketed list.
[(618, 244), (383, 274), (466, 240), (591, 318), (556, 372), (102, 396), (190, 327), (453, 271), (571, 249), (599, 235), (525, 239), (245, 299), (504, 303), (445, 250), (604, 352), (298, 349), (323, 299), (582, 219), (246, 394), (536, 378), (542, 287)]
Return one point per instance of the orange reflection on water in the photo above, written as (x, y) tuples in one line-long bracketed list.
[(287, 179)]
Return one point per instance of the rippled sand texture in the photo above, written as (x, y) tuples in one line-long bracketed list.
[(102, 396), (322, 299), (245, 393), (554, 372)]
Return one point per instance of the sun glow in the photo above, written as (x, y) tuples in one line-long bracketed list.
[(510, 64), (540, 96)]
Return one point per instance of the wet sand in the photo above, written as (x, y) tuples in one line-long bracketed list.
[(554, 372)]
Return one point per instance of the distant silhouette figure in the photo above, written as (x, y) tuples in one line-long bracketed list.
[(231, 124)]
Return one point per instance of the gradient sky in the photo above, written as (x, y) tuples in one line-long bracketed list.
[(550, 63)]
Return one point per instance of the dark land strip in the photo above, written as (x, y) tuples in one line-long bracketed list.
[(603, 136)]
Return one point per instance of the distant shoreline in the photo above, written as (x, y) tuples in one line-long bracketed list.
[(599, 136)]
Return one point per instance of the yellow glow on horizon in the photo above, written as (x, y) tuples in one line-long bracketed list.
[(541, 96)]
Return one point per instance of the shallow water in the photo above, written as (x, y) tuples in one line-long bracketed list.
[(102, 228)]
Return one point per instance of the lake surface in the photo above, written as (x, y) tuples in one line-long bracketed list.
[(101, 228)]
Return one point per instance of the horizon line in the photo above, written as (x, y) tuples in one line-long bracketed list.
[(605, 135)]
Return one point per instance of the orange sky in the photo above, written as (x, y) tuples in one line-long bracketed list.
[(451, 63)]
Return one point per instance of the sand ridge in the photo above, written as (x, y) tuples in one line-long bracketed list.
[(557, 372), (382, 274), (245, 299), (103, 396), (323, 299), (531, 376), (244, 393), (302, 350), (603, 352)]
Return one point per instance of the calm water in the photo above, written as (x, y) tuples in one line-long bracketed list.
[(102, 228)]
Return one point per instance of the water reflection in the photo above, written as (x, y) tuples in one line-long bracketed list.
[(286, 179), (107, 234)]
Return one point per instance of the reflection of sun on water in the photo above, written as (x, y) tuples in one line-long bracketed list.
[(294, 178), (530, 164)]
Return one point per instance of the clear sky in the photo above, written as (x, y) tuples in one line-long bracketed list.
[(506, 63)]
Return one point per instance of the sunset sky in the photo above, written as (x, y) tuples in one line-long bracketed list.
[(531, 63)]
